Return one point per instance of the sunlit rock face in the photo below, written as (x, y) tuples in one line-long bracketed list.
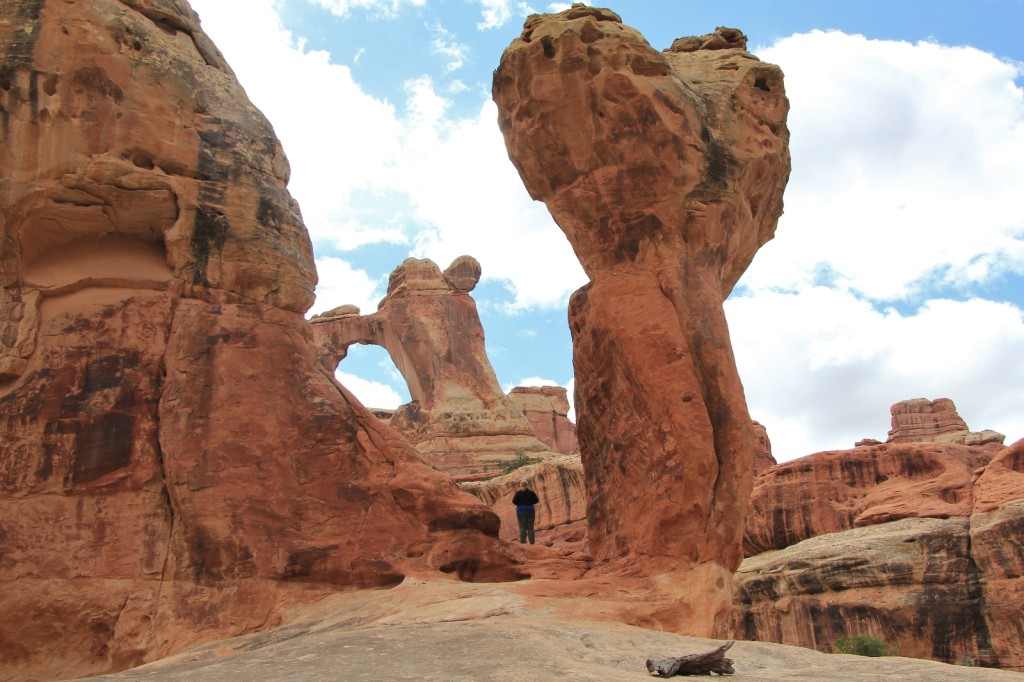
[(922, 420), (459, 418), (666, 171), (547, 409), (174, 463)]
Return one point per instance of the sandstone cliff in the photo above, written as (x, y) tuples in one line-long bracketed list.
[(666, 173), (175, 464), (547, 409), (561, 515), (918, 543), (920, 420), (459, 418)]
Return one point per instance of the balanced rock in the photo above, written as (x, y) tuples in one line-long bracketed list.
[(666, 171), (458, 418), (175, 465), (547, 409)]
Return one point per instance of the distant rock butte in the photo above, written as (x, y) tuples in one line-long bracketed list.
[(666, 171), (921, 420), (458, 418), (176, 464), (547, 409)]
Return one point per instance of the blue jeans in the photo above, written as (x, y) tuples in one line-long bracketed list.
[(526, 519)]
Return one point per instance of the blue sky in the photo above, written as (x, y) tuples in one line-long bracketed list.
[(897, 270)]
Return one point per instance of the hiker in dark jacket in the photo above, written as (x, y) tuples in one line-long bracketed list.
[(524, 500)]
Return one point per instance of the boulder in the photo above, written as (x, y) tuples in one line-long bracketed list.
[(176, 464), (458, 418), (665, 170)]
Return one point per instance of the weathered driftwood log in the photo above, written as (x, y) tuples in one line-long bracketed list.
[(694, 664)]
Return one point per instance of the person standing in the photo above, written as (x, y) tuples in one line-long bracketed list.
[(526, 512)]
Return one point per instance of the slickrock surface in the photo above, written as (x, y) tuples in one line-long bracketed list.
[(547, 408), (459, 418), (841, 489), (920, 420), (562, 512), (666, 171), (455, 632), (176, 465)]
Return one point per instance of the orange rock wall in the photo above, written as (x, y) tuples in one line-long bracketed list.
[(175, 465), (547, 409)]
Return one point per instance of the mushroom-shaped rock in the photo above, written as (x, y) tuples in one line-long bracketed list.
[(666, 171)]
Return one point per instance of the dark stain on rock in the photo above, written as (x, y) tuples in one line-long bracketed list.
[(102, 446), (208, 236)]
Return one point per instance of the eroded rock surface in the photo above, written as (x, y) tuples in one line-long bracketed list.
[(175, 465), (459, 418), (912, 583), (841, 489), (547, 409), (666, 171), (922, 420), (561, 515)]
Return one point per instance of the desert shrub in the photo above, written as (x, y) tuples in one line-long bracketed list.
[(519, 462), (863, 645)]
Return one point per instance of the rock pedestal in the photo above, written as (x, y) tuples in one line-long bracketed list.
[(666, 171)]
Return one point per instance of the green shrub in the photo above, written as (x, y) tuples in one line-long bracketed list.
[(520, 461), (863, 645)]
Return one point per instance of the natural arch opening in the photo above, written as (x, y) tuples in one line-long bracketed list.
[(370, 373)]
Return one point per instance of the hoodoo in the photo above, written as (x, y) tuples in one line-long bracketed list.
[(666, 172)]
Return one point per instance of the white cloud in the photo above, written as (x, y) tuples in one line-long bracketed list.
[(341, 284), (906, 165), (370, 393), (821, 368), (385, 8), (443, 43), (470, 200), (338, 139)]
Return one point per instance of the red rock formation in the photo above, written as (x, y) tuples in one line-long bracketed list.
[(547, 409), (912, 583), (459, 417), (997, 549), (175, 463), (666, 173), (763, 457), (837, 490), (922, 420), (561, 514)]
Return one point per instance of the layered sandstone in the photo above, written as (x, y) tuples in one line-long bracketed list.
[(837, 490), (913, 583), (922, 420), (561, 514), (547, 409), (459, 418), (665, 170), (176, 465)]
